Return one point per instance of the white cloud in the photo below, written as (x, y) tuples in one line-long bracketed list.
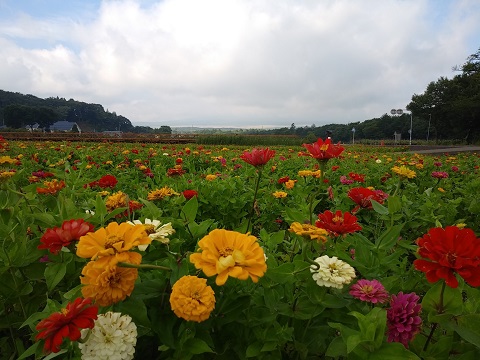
[(234, 62)]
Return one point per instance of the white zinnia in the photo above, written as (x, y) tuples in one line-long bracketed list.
[(332, 272), (155, 231), (113, 337)]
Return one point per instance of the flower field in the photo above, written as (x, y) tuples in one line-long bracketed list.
[(131, 250)]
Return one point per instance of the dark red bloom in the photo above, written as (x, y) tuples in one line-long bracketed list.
[(258, 157), (324, 150), (449, 251), (107, 181), (363, 196), (176, 171), (283, 180), (79, 314), (338, 223), (188, 194), (357, 177), (71, 230)]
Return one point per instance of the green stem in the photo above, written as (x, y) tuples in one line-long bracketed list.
[(440, 310), (257, 185), (322, 164), (144, 266)]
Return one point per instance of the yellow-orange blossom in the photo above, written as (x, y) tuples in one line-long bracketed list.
[(229, 253)]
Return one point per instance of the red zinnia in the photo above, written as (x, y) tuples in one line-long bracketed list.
[(363, 196), (188, 194), (107, 181), (79, 314), (324, 150), (449, 251), (54, 239), (338, 223), (258, 157)]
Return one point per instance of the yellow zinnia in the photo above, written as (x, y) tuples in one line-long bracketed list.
[(210, 177), (229, 253), (404, 172), (112, 240), (159, 194), (280, 194), (107, 283), (192, 299), (116, 200), (309, 231)]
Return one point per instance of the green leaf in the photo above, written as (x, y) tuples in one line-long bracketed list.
[(468, 327), (54, 273), (392, 351), (189, 210), (394, 204), (389, 238), (337, 348), (254, 349), (452, 300), (30, 351), (380, 209), (136, 309), (197, 346), (282, 274)]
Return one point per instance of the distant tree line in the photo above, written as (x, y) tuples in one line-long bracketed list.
[(449, 109), (19, 111)]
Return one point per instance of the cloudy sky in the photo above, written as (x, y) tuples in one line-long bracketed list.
[(239, 63)]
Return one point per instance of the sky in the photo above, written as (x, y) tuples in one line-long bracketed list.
[(235, 63)]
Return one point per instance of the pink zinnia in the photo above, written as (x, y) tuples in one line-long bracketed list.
[(403, 318), (370, 291), (258, 157), (439, 174)]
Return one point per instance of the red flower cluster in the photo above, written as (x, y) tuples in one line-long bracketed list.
[(363, 196), (324, 150), (71, 230), (338, 223), (106, 181), (449, 251), (177, 170), (357, 177), (283, 180), (51, 187), (79, 314), (258, 157), (188, 194)]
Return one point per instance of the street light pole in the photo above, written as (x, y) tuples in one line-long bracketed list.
[(411, 127)]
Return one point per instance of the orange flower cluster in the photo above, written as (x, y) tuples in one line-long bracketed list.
[(51, 187), (103, 279), (229, 253)]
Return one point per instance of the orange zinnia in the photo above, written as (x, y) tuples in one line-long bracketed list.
[(192, 299), (229, 253), (106, 282), (51, 187), (112, 240)]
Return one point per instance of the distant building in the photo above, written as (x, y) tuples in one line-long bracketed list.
[(64, 126)]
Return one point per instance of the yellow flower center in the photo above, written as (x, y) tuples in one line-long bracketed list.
[(337, 219), (229, 258), (113, 242), (64, 311)]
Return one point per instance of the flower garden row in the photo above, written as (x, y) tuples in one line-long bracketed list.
[(176, 252)]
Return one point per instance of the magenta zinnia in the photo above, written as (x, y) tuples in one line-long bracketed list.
[(403, 318), (370, 291), (324, 150)]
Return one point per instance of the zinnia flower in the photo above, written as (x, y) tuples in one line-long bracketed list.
[(114, 336), (338, 223), (229, 253), (107, 181), (332, 272), (439, 174), (258, 157), (370, 291), (78, 314), (404, 172), (71, 230), (6, 175), (51, 187), (210, 177), (112, 240), (279, 194), (324, 150), (363, 196), (192, 299), (155, 231), (159, 194), (403, 320), (448, 251), (106, 282), (309, 231), (188, 194), (116, 200)]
